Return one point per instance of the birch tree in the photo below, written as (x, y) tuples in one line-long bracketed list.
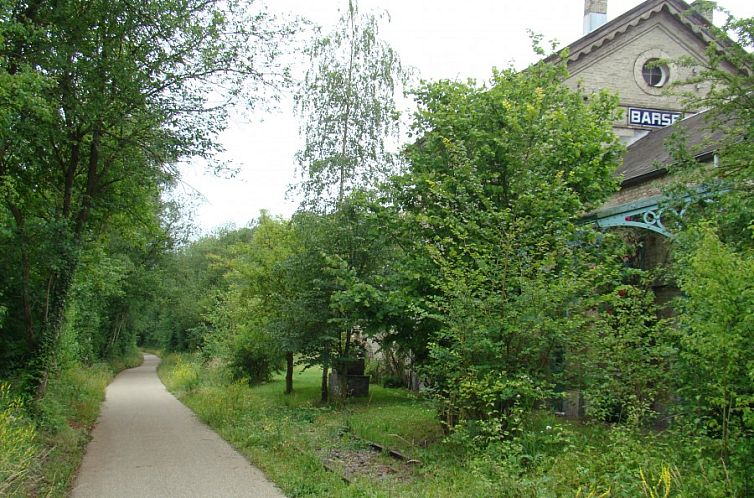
[(348, 109)]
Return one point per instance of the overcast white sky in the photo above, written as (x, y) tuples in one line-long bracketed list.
[(440, 38)]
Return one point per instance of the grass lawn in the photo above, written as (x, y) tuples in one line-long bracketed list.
[(292, 439)]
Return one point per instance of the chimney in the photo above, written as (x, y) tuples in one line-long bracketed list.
[(595, 14), (705, 8)]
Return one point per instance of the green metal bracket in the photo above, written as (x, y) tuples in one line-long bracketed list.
[(645, 213), (648, 213)]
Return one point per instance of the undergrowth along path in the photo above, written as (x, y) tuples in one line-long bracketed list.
[(146, 443)]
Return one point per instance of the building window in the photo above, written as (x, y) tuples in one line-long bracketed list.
[(655, 74), (651, 74)]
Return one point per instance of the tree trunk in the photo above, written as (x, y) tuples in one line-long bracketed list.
[(25, 275), (53, 322), (347, 113), (325, 366), (92, 181), (288, 373)]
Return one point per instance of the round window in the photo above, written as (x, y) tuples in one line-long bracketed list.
[(655, 73)]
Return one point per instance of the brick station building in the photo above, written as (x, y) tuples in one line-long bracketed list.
[(626, 55), (631, 55)]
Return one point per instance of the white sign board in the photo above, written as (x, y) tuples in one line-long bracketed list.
[(652, 117)]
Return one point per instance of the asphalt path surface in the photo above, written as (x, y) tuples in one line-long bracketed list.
[(146, 443)]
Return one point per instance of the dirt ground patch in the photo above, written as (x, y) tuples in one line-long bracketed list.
[(354, 463)]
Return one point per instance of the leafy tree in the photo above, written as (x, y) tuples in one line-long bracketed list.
[(712, 257), (191, 283), (359, 262), (328, 287), (498, 178), (102, 99), (249, 323), (728, 73), (307, 305), (239, 333), (347, 102)]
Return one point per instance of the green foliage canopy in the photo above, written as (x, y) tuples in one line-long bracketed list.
[(498, 178), (99, 101)]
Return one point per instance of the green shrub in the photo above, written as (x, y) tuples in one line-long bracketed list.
[(183, 375), (715, 367), (488, 408), (255, 356), (628, 362)]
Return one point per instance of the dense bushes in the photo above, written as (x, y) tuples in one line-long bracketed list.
[(714, 368), (497, 180), (626, 365), (255, 357), (715, 334)]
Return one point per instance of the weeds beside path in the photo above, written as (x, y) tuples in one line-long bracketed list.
[(293, 438), (42, 441)]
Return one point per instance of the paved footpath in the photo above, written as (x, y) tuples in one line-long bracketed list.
[(147, 444)]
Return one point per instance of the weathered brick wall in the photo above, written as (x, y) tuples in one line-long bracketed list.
[(633, 193)]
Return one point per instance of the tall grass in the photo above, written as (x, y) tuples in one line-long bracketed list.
[(17, 441), (289, 437), (65, 417), (42, 441)]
